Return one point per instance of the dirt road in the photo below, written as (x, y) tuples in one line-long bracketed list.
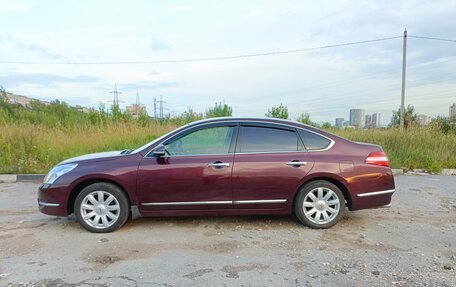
[(411, 244)]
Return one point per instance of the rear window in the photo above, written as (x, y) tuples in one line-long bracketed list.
[(264, 139), (313, 141)]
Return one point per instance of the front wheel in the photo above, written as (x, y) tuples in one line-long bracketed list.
[(101, 207), (319, 204)]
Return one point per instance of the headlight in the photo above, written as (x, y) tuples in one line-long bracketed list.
[(58, 171)]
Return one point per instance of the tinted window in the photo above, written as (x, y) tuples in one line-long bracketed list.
[(262, 139), (313, 141), (214, 140)]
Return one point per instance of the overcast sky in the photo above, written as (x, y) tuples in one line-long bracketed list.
[(326, 83)]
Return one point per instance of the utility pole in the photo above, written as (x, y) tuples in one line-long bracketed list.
[(137, 103), (155, 108), (116, 93), (404, 64), (160, 107)]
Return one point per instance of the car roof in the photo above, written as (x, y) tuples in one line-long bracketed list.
[(255, 119)]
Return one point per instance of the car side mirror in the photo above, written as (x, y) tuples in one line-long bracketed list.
[(159, 151)]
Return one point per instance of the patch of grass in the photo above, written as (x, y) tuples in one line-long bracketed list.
[(416, 147), (29, 148)]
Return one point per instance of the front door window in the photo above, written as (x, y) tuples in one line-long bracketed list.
[(209, 141)]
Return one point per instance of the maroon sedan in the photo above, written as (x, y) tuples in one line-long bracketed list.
[(223, 166)]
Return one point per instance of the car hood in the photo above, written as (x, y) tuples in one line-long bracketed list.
[(93, 156)]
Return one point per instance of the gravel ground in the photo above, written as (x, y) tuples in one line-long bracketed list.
[(411, 244)]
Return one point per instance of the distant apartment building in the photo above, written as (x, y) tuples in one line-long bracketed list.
[(136, 110), (376, 122), (340, 123), (367, 121), (357, 119), (453, 110), (423, 120)]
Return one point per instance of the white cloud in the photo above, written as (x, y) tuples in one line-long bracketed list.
[(9, 6), (327, 83)]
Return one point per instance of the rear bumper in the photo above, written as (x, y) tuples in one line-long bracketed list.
[(52, 200), (376, 193), (375, 199)]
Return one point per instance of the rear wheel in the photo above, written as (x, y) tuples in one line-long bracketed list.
[(101, 207), (319, 204)]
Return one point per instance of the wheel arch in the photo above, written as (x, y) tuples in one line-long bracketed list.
[(336, 181), (86, 182)]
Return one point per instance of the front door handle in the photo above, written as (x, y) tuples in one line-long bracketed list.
[(296, 163), (219, 164)]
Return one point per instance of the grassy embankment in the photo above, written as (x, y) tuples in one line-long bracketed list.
[(33, 140), (28, 148)]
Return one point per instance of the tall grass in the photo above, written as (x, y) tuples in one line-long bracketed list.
[(29, 148), (417, 147), (35, 138)]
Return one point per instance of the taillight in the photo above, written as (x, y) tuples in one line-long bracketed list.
[(377, 158)]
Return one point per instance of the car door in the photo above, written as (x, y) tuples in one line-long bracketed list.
[(194, 174), (270, 162)]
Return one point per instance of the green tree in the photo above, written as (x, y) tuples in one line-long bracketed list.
[(220, 110), (410, 117), (280, 112), (305, 119), (190, 116), (143, 119), (444, 124), (326, 125)]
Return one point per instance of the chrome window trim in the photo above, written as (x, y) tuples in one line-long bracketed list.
[(263, 201), (376, 193), (239, 121), (241, 153), (189, 155), (272, 152)]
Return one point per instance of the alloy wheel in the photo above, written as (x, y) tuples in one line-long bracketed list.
[(100, 209), (321, 205)]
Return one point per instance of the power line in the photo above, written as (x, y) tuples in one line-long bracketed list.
[(432, 38), (203, 59)]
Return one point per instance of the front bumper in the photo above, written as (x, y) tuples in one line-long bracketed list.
[(53, 200)]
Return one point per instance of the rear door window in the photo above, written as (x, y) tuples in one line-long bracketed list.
[(266, 139), (313, 141)]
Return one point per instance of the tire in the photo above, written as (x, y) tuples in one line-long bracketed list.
[(319, 204), (101, 216)]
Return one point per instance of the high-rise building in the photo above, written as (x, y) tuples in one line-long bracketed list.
[(368, 122), (453, 110), (376, 123), (357, 118), (339, 122)]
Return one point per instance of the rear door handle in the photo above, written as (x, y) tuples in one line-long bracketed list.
[(219, 164), (296, 163)]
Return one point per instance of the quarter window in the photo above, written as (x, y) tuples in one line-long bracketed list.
[(313, 141), (264, 139), (215, 140)]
